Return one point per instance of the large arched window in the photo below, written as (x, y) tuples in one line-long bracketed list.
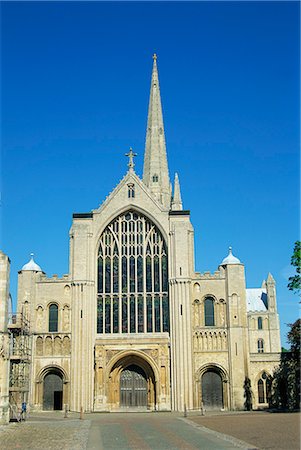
[(209, 312), (53, 318), (132, 286)]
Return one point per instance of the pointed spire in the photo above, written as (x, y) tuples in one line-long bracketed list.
[(176, 204), (270, 278), (155, 171)]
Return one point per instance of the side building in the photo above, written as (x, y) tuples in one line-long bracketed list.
[(133, 326)]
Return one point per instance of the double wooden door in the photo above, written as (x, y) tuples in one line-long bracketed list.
[(133, 387)]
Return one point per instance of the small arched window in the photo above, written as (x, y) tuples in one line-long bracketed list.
[(209, 312), (53, 318), (259, 323), (260, 346), (155, 178), (131, 190)]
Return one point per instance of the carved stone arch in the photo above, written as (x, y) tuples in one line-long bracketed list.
[(214, 298), (40, 381), (129, 359), (67, 289), (39, 346), (39, 305), (53, 302), (47, 369), (222, 373), (259, 375), (136, 353), (197, 288)]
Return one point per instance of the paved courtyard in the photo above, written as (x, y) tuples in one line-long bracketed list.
[(153, 431)]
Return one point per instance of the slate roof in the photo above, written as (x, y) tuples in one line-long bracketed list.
[(257, 300)]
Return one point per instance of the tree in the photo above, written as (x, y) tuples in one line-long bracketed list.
[(286, 383), (293, 337), (295, 281)]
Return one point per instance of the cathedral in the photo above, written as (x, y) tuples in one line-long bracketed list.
[(132, 326)]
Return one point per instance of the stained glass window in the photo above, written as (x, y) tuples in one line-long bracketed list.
[(132, 280)]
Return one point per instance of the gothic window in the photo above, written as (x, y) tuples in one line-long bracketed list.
[(132, 282), (131, 190), (260, 391), (259, 323), (53, 318), (155, 178), (264, 386), (209, 312), (260, 346)]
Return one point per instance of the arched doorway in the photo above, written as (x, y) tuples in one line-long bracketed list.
[(133, 387), (132, 383), (53, 391), (212, 390)]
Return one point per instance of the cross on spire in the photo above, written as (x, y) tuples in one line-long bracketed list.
[(155, 57), (131, 156)]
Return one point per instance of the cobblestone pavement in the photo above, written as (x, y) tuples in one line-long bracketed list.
[(46, 434), (126, 431), (264, 430)]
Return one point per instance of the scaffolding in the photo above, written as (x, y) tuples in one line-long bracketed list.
[(19, 372)]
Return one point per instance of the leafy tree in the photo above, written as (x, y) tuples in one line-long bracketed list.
[(286, 383), (294, 336), (295, 281)]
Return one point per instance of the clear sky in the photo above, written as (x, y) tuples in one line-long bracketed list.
[(75, 88)]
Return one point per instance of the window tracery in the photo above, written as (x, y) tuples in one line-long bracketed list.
[(132, 277), (264, 386)]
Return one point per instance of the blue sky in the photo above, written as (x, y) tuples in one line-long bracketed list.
[(75, 88)]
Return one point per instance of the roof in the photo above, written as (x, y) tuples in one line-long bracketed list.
[(230, 259), (257, 299), (31, 265)]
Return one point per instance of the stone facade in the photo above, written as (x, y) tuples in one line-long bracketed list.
[(112, 335), (5, 308)]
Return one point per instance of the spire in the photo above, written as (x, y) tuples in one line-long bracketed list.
[(176, 203), (155, 171)]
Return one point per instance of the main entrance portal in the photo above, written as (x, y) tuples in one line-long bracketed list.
[(133, 387)]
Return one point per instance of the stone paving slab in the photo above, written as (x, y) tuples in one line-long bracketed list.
[(153, 431), (264, 430)]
